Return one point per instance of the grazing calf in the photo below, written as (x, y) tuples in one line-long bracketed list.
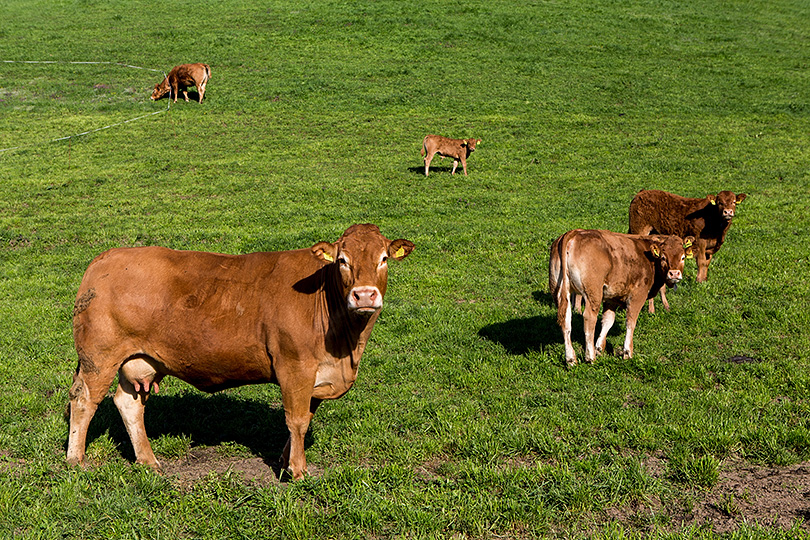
[(458, 149), (180, 78), (300, 319), (707, 219), (614, 269)]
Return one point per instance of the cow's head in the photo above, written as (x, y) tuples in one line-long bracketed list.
[(161, 89), (726, 203), (669, 254), (470, 145), (361, 257)]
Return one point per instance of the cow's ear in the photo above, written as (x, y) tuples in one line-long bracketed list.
[(325, 251), (741, 198), (687, 247), (655, 250), (712, 198), (464, 142), (399, 249)]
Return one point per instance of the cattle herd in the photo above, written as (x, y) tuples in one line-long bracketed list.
[(301, 319)]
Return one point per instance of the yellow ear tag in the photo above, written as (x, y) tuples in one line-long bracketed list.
[(655, 251), (328, 257), (713, 201), (687, 244), (400, 253)]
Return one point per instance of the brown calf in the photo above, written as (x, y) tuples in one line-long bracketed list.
[(458, 149), (619, 270), (180, 78), (707, 219), (300, 319)]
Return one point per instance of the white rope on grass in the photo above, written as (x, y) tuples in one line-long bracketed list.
[(168, 105)]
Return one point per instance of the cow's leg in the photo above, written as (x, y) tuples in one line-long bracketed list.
[(702, 258), (90, 385), (608, 318), (662, 292), (201, 90), (455, 164), (428, 159), (174, 91), (299, 406), (590, 314), (464, 165), (633, 310), (136, 379), (184, 89)]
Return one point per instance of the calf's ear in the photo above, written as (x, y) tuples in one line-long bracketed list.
[(687, 246), (655, 249), (740, 198), (399, 249), (325, 251), (712, 199)]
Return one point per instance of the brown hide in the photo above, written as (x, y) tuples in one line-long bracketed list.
[(180, 78), (707, 219), (458, 149), (617, 270), (300, 319)]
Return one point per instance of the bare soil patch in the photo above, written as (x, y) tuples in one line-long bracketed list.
[(200, 462)]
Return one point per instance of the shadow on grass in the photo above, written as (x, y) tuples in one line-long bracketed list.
[(519, 336), (209, 420), (434, 168)]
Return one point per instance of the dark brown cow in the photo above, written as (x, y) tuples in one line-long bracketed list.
[(619, 270), (180, 78), (707, 219), (458, 149), (300, 319)]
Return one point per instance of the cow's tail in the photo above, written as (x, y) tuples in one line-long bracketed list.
[(424, 146), (563, 292), (207, 72)]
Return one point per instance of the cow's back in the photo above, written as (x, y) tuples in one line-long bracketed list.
[(661, 212), (203, 317)]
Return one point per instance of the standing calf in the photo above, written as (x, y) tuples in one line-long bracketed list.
[(707, 219), (458, 149), (180, 78), (619, 270)]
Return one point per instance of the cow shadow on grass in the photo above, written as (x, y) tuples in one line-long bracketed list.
[(527, 334), (207, 420), (435, 168)]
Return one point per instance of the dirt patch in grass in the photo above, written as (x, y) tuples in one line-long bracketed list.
[(773, 497), (769, 496), (200, 462)]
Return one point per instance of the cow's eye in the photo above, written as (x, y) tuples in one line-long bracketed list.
[(343, 261), (384, 259)]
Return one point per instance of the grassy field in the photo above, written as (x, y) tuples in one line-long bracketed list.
[(464, 422)]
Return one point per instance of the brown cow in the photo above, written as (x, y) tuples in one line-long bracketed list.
[(707, 219), (458, 149), (180, 78), (300, 319), (619, 270)]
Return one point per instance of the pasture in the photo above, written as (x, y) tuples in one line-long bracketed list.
[(464, 421)]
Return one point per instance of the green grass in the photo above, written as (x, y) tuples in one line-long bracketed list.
[(464, 422)]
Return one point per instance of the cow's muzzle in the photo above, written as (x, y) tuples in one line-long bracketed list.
[(673, 277), (366, 300)]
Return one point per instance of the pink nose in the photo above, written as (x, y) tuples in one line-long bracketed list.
[(365, 298), (728, 214), (674, 275)]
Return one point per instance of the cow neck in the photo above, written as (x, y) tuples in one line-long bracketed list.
[(346, 333)]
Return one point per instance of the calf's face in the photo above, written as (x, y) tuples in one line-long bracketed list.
[(161, 89), (670, 255), (726, 203), (362, 256)]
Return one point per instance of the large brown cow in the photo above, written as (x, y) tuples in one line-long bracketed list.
[(458, 149), (707, 219), (619, 270), (300, 319), (180, 78)]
